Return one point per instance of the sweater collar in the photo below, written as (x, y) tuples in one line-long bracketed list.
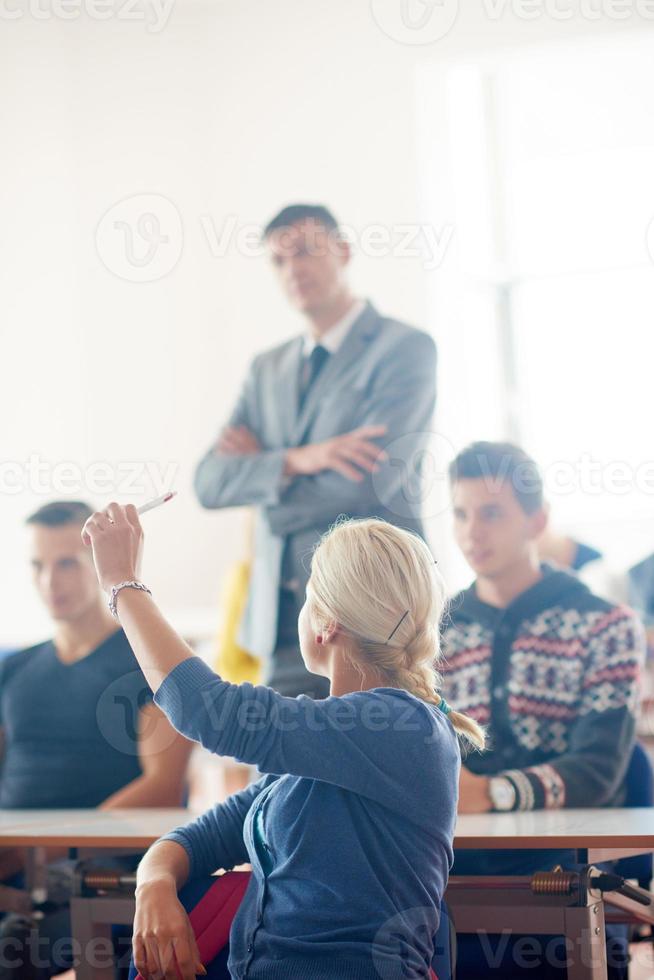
[(554, 584)]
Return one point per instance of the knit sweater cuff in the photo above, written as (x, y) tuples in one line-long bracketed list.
[(537, 788), (178, 836), (548, 785)]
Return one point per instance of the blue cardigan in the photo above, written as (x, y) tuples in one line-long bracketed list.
[(357, 813)]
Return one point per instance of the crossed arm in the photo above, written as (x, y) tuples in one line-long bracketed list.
[(351, 473)]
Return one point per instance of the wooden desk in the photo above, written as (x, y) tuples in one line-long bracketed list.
[(497, 904), (129, 829), (84, 832), (596, 835), (599, 835)]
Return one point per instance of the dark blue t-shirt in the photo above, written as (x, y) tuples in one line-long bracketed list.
[(71, 730)]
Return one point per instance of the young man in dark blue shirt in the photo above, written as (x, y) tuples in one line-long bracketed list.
[(78, 727)]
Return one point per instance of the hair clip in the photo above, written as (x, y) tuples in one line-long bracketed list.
[(398, 626)]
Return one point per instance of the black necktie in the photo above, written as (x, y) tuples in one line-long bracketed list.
[(311, 368)]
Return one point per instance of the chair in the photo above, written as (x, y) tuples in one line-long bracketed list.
[(640, 792), (444, 947)]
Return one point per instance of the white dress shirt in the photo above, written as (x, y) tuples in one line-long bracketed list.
[(332, 339)]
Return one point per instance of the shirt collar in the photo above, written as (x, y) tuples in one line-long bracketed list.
[(332, 339)]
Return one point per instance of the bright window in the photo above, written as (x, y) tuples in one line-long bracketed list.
[(544, 306)]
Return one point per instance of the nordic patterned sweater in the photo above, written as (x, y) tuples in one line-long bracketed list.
[(554, 676)]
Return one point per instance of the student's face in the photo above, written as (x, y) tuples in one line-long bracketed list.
[(310, 263), (63, 571), (491, 528)]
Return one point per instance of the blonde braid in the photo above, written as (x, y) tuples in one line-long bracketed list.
[(380, 584)]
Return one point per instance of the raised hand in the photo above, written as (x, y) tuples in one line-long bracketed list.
[(116, 537)]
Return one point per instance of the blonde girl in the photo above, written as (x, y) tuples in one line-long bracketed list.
[(349, 831)]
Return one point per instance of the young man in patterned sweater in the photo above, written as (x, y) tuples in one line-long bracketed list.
[(549, 668)]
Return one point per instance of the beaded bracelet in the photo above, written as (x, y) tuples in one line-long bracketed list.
[(115, 589)]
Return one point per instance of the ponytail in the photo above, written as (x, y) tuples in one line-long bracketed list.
[(381, 584)]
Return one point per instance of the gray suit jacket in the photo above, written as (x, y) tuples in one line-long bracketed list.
[(384, 373)]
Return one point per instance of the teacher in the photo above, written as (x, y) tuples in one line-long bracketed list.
[(304, 442)]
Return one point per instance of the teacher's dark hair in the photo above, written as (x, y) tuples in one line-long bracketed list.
[(59, 513), (294, 213)]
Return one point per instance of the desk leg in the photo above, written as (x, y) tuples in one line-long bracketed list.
[(36, 882), (91, 921), (89, 938), (508, 906), (584, 928)]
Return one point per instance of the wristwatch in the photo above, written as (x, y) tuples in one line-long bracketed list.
[(502, 793)]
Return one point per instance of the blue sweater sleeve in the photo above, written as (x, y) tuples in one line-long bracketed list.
[(214, 840), (372, 742)]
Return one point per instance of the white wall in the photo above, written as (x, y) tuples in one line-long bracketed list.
[(233, 109)]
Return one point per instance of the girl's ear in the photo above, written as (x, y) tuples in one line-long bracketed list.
[(328, 633)]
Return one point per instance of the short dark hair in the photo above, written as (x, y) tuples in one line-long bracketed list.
[(293, 213), (60, 512), (502, 461)]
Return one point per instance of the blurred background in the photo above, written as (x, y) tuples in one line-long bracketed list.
[(492, 164)]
